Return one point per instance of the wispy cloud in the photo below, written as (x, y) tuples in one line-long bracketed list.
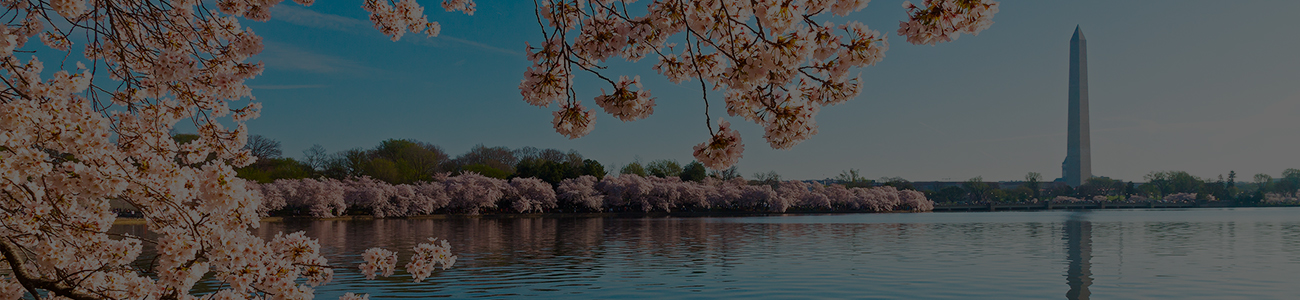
[(287, 86), (285, 56), (480, 45), (309, 18)]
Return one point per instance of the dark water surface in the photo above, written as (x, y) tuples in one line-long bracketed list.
[(1241, 253)]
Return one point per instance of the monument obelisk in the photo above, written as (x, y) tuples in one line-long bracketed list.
[(1077, 167)]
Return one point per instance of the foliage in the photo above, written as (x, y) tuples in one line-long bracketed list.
[(553, 166), (1099, 186), (497, 158), (977, 190), (485, 170), (1171, 182), (664, 168), (633, 168), (271, 169), (694, 171)]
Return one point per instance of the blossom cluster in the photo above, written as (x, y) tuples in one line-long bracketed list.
[(405, 16), (97, 127), (630, 192), (774, 63), (382, 262), (723, 150), (465, 193), (1279, 198), (938, 21), (472, 193)]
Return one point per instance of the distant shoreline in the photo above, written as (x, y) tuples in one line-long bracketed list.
[(140, 221), (938, 208)]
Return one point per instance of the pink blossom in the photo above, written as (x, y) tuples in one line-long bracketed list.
[(625, 103), (530, 194), (722, 150), (580, 192), (573, 121)]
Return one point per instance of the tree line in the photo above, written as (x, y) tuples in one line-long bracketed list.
[(1160, 185)]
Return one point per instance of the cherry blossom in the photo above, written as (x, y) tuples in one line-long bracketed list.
[(938, 21), (723, 150), (573, 120), (773, 61), (97, 127), (581, 193)]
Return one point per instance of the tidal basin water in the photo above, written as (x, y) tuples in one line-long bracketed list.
[(1238, 253)]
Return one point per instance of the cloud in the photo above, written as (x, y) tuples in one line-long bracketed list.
[(287, 86), (287, 57), (309, 18), (480, 45)]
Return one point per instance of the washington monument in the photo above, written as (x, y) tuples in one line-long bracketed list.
[(1077, 167)]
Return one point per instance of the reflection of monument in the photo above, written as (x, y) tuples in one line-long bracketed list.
[(1078, 249), (1077, 167)]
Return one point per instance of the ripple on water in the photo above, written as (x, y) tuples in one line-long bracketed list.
[(1111, 254)]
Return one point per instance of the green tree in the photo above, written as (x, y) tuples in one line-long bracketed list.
[(593, 168), (1172, 182), (977, 190), (1290, 182), (399, 161), (633, 168), (664, 168), (1020, 193), (500, 158), (486, 170), (694, 171), (950, 194), (1263, 182), (270, 169), (1099, 186)]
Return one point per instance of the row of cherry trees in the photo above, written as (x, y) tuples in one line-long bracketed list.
[(471, 193)]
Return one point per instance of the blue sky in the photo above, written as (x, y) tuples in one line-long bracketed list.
[(1199, 86)]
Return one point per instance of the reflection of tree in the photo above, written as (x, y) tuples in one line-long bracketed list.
[(1078, 243)]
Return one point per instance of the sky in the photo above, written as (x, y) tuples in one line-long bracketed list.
[(1205, 87)]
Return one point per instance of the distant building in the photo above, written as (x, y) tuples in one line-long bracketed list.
[(1077, 167)]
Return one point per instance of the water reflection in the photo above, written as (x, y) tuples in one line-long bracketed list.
[(1205, 254), (1078, 243)]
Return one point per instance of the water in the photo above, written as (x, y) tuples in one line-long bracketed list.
[(1241, 253)]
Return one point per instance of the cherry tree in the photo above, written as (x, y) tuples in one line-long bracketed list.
[(530, 194), (580, 193), (90, 120), (777, 63)]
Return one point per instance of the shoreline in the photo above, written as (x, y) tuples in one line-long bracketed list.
[(140, 221), (937, 209)]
